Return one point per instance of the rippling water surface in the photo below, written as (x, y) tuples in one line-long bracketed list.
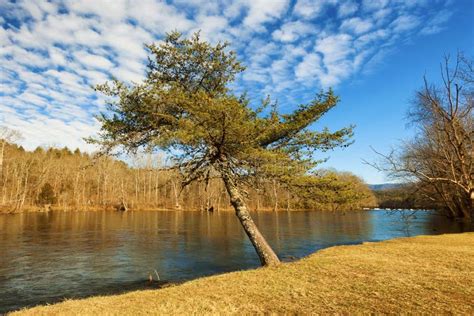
[(46, 257)]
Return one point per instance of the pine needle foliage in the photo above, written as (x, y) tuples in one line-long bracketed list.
[(185, 106)]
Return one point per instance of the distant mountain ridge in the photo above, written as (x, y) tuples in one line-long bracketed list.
[(385, 186)]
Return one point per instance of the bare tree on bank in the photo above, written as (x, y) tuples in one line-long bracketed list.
[(440, 158), (7, 135), (185, 106)]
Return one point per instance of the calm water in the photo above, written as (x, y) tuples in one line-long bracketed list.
[(49, 257)]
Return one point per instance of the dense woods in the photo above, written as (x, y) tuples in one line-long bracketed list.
[(72, 180)]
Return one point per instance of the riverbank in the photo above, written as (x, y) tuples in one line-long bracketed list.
[(38, 209), (425, 274)]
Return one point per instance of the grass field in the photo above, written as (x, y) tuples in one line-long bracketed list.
[(425, 274)]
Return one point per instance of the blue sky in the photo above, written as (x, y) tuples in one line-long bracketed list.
[(373, 53)]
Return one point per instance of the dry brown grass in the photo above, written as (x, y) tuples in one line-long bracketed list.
[(425, 274)]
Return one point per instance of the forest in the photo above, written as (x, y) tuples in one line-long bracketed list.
[(75, 180)]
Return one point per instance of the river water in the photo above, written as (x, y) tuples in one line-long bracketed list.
[(46, 257)]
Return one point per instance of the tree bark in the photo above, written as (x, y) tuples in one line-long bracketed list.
[(265, 252)]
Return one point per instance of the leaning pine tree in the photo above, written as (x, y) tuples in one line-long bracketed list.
[(185, 107)]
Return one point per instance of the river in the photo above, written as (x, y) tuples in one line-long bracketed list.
[(46, 257)]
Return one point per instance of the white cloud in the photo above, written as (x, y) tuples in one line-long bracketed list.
[(93, 61), (211, 27), (413, 3), (310, 9), (347, 8), (57, 56), (337, 51), (25, 57), (31, 98), (126, 40), (435, 24), (33, 9), (369, 38), (108, 10), (128, 75), (158, 17), (291, 31), (309, 68), (380, 17), (10, 89), (334, 58), (405, 23), (4, 39), (260, 51), (256, 74), (87, 37), (38, 129), (58, 29), (261, 11), (65, 77), (356, 25), (374, 4), (335, 47)]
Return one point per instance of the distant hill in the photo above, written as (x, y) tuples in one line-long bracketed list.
[(384, 186)]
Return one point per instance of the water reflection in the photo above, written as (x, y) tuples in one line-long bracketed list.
[(49, 256)]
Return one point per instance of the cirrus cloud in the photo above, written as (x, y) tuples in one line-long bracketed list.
[(53, 52)]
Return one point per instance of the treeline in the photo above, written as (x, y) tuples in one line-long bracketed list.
[(405, 196), (417, 195), (73, 180)]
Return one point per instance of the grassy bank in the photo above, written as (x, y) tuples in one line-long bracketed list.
[(425, 274)]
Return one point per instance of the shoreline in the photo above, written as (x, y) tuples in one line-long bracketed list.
[(110, 209), (423, 274)]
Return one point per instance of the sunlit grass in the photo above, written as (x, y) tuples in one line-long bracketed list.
[(425, 274)]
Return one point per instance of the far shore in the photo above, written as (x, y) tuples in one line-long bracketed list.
[(417, 275), (39, 209)]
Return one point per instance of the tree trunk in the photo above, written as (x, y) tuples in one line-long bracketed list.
[(275, 195), (176, 195), (265, 252)]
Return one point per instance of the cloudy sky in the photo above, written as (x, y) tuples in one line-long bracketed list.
[(373, 53)]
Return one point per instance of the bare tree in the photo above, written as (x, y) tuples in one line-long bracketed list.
[(6, 135), (440, 157)]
